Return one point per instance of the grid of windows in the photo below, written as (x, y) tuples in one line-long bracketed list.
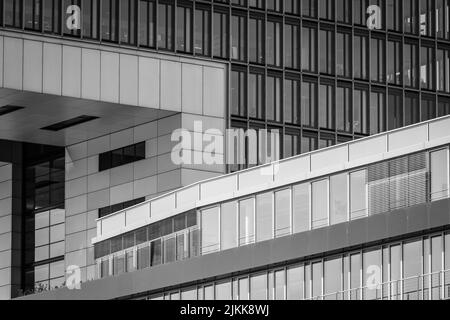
[(317, 42), (412, 269)]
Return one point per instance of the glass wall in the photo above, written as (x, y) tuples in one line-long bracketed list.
[(401, 270)]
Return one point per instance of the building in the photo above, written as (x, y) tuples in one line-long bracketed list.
[(92, 90)]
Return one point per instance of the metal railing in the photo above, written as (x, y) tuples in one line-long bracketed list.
[(430, 286)]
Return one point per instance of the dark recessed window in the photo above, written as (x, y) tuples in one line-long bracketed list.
[(8, 109), (118, 207), (122, 156), (69, 123)]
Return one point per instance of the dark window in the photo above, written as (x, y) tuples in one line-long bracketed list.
[(274, 98), (428, 107), (394, 17), (427, 17), (309, 8), (256, 95), (309, 142), (238, 93), (256, 41), (220, 35), (361, 56), (110, 20), (33, 14), (394, 75), (292, 6), (427, 68), (395, 110), (118, 207), (443, 69), (309, 49), (274, 43), (309, 104), (361, 110), (165, 26), (343, 109), (184, 29), (291, 145), (343, 11), (127, 21), (52, 16), (410, 15), (292, 101), (69, 123), (122, 156), (238, 38), (443, 106), (343, 56), (410, 65), (326, 9), (377, 111), (274, 5), (13, 13), (147, 23), (326, 51), (202, 31), (326, 106), (292, 46), (90, 18), (412, 108), (377, 60)]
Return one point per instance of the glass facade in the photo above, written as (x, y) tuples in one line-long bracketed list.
[(414, 269), (310, 68)]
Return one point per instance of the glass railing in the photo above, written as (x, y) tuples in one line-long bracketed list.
[(431, 286)]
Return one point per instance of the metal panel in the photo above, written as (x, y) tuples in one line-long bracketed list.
[(128, 79), (52, 68), (32, 66), (109, 77), (90, 73), (13, 55), (192, 88), (214, 92), (170, 85), (71, 85), (149, 95)]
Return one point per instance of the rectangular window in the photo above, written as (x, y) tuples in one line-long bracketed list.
[(394, 17), (220, 46), (292, 6), (13, 13), (184, 29), (428, 107), (90, 18), (295, 283), (228, 226), (202, 32), (326, 106), (110, 20), (292, 101), (326, 51), (128, 22), (301, 208), (165, 26), (410, 65), (155, 253), (309, 8), (274, 43), (343, 55), (395, 110), (291, 146), (238, 93), (122, 156), (52, 16), (427, 68), (256, 95), (426, 17), (210, 230), (442, 18), (319, 204), (358, 194), (326, 9), (343, 11), (274, 98), (443, 107), (360, 111), (32, 14), (309, 104), (282, 213), (147, 22), (361, 56), (394, 75), (410, 12), (377, 112), (439, 174), (264, 216), (412, 108), (256, 40), (338, 198), (292, 46), (309, 49), (238, 38), (343, 109), (443, 69), (246, 222), (377, 60)]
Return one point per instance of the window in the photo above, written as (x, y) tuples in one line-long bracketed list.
[(332, 278), (274, 98), (319, 204), (338, 198), (184, 29), (32, 14), (122, 156), (377, 111), (220, 29), (127, 21), (292, 101), (394, 75), (412, 267), (256, 95), (238, 38), (439, 174), (295, 283), (361, 56), (256, 40), (394, 18), (291, 146), (395, 110), (202, 32), (410, 11), (372, 266), (343, 55), (309, 51), (147, 22), (228, 226), (278, 284), (210, 230), (282, 213), (358, 194), (326, 51), (165, 26), (326, 106), (412, 108), (223, 291), (13, 13), (238, 93), (309, 8), (443, 107), (301, 208), (377, 60), (243, 289), (443, 69), (292, 45), (426, 17), (52, 16), (292, 6), (264, 216), (246, 222), (426, 68), (326, 9), (360, 110), (274, 43), (410, 68), (258, 287), (428, 107), (442, 18), (343, 109), (309, 104), (343, 11), (110, 20)]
